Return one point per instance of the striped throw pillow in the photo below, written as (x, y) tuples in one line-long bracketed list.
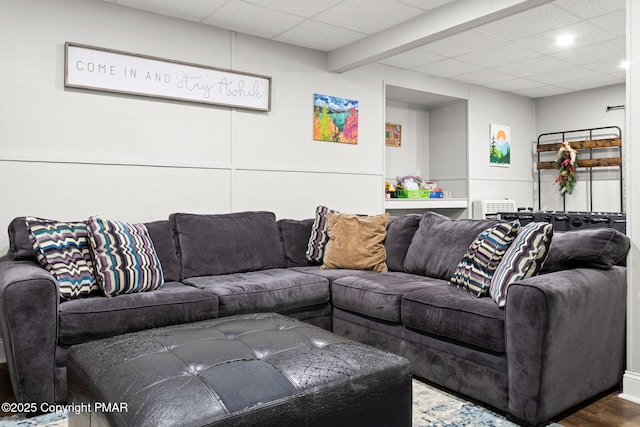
[(523, 259), (62, 248), (475, 271), (124, 255), (319, 236)]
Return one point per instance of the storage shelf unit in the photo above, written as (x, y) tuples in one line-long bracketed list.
[(583, 141)]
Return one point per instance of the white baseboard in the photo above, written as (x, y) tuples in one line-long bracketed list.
[(631, 387)]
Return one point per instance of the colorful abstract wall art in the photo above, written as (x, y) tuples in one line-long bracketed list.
[(335, 119), (500, 148)]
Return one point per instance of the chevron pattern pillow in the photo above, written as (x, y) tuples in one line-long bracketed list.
[(319, 236), (125, 258), (523, 259), (62, 248), (475, 271)]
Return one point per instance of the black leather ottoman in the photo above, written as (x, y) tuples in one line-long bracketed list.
[(248, 370)]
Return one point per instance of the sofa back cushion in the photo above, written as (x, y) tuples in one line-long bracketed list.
[(400, 232), (440, 243), (227, 243), (162, 238), (20, 245), (592, 248), (295, 238)]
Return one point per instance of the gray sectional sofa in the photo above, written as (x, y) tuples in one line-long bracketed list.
[(560, 338)]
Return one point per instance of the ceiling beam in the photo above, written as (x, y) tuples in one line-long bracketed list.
[(429, 27)]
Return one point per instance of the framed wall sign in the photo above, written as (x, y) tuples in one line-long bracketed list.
[(95, 68)]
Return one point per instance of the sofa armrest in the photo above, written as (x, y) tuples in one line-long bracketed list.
[(565, 339), (29, 302)]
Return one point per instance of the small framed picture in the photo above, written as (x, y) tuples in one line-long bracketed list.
[(393, 135)]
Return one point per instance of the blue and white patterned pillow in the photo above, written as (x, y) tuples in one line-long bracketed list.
[(62, 248), (523, 259), (125, 258), (319, 236), (475, 271)]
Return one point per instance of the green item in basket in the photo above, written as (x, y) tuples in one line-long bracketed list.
[(413, 194)]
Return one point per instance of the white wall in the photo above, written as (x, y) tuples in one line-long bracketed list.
[(448, 154), (411, 157), (488, 107), (69, 154), (631, 380), (574, 111)]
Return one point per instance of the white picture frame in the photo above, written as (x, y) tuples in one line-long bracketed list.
[(108, 70)]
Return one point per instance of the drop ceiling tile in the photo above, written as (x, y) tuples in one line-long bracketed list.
[(192, 10), (306, 8), (251, 19), (426, 4), (367, 16), (318, 36), (447, 68), (543, 91), (613, 22), (599, 81), (533, 21), (608, 67), (412, 58), (535, 66), (494, 57), (614, 50), (515, 84), (466, 42), (563, 76), (589, 9), (483, 77), (584, 32)]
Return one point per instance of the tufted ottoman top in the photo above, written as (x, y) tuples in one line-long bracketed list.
[(257, 369)]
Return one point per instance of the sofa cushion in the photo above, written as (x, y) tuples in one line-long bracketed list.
[(523, 259), (86, 319), (455, 314), (20, 245), (591, 248), (227, 243), (262, 291), (124, 256), (475, 270), (162, 237), (295, 238), (400, 232), (319, 238), (440, 243), (356, 242), (376, 296), (334, 274), (63, 250)]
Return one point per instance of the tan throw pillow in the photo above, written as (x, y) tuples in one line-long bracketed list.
[(356, 242)]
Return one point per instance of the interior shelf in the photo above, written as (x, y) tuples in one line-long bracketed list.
[(443, 203)]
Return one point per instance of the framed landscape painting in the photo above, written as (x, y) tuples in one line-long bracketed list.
[(500, 146), (335, 119)]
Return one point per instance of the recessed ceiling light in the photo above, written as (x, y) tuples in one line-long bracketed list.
[(624, 64), (565, 40)]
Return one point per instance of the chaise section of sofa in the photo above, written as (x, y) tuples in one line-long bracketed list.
[(213, 265)]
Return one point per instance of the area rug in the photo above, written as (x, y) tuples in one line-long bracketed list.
[(432, 407)]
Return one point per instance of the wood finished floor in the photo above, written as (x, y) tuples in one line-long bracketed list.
[(607, 410)]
